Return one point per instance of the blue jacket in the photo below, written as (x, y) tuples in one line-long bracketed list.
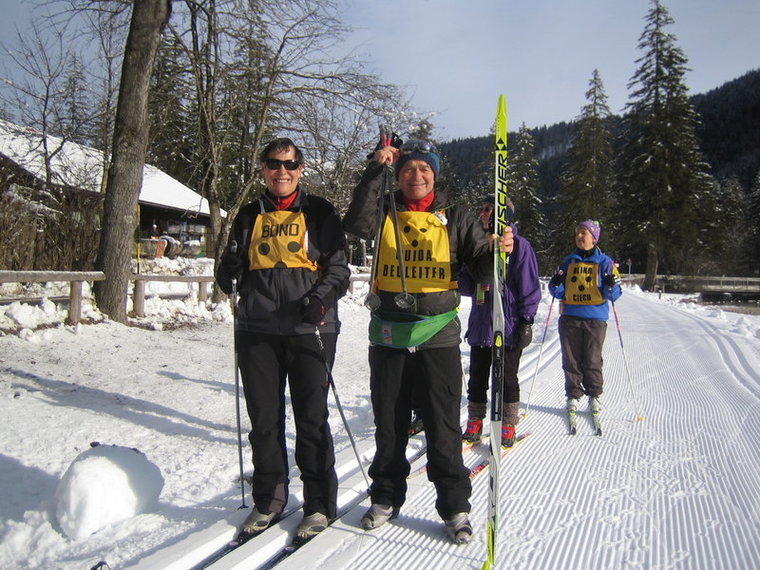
[(520, 296), (582, 292)]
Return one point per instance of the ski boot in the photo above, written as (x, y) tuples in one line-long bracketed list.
[(473, 432), (459, 528)]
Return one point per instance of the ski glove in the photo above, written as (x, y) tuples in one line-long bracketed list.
[(232, 264), (523, 334), (610, 280), (312, 310), (396, 142), (557, 279)]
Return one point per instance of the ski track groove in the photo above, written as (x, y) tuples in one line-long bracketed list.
[(676, 490), (653, 526)]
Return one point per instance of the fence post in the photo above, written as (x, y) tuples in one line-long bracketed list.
[(75, 302), (138, 298)]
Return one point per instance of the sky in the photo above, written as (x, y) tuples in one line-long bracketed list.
[(454, 58)]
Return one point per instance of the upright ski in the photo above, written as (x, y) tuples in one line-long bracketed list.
[(500, 261)]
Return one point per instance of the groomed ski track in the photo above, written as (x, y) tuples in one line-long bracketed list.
[(675, 490)]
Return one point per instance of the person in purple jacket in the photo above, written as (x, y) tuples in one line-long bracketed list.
[(521, 296)]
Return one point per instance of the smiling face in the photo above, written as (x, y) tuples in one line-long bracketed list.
[(280, 181), (416, 179), (583, 239)]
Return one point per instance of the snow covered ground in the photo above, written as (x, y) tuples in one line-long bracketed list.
[(679, 489)]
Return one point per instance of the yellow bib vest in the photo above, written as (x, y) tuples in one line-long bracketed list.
[(427, 257), (279, 240), (582, 284)]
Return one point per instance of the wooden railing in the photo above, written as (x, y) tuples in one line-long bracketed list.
[(708, 284), (138, 295), (357, 278), (77, 278)]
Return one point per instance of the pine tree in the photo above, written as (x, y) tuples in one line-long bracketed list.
[(663, 193), (523, 186), (752, 233), (722, 233), (170, 147), (587, 179)]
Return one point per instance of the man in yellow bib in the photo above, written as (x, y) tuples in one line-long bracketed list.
[(414, 331), (287, 249)]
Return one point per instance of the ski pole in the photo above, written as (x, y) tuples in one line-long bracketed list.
[(372, 300), (639, 417), (330, 379), (538, 361), (403, 299), (233, 249)]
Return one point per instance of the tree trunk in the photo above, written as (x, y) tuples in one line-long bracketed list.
[(652, 264), (130, 144)]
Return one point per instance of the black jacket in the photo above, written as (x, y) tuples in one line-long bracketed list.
[(468, 245), (271, 300)]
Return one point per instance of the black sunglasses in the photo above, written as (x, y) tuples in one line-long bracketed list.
[(275, 164), (423, 147)]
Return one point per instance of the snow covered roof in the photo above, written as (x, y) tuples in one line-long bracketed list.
[(82, 167)]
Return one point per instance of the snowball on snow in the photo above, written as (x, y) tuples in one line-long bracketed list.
[(105, 485)]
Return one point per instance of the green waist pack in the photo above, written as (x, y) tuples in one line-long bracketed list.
[(406, 330)]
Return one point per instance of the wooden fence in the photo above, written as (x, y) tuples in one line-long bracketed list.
[(77, 278)]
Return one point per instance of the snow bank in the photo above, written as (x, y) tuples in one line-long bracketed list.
[(105, 485)]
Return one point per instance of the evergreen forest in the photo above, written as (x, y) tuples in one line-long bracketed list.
[(728, 132)]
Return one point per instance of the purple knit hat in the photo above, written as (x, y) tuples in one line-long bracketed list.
[(593, 227)]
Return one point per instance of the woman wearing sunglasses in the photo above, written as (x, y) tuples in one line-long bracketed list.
[(414, 331), (286, 252)]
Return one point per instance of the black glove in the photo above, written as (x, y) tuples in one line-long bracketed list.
[(557, 279), (232, 264), (396, 142), (523, 334), (312, 310), (610, 280)]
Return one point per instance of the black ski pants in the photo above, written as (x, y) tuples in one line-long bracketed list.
[(435, 377), (582, 341), (265, 362), (480, 373)]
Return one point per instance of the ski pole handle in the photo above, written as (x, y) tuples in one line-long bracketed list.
[(386, 136)]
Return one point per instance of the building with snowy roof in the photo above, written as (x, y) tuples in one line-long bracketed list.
[(56, 203)]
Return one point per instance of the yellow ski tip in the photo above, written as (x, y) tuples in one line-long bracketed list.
[(640, 418), (501, 106)]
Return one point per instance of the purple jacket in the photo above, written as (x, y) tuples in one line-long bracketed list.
[(521, 296)]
